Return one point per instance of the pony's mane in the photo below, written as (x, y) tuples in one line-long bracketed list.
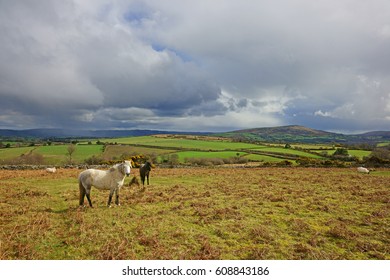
[(115, 167)]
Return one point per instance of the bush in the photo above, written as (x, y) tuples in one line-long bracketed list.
[(172, 159), (215, 161), (285, 163), (204, 161), (94, 160), (341, 152), (382, 152), (374, 161)]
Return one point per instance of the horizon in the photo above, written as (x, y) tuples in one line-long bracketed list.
[(188, 67)]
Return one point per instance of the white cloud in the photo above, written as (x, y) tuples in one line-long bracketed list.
[(323, 114), (219, 64)]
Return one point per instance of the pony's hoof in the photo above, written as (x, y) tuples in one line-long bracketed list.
[(109, 206)]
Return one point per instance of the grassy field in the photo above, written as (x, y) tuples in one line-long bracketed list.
[(113, 151), (279, 150), (196, 154), (54, 154), (200, 213), (183, 143), (57, 154), (183, 146), (14, 152), (356, 153)]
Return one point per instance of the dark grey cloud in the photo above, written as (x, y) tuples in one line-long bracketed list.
[(216, 65)]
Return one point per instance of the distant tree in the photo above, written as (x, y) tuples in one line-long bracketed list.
[(70, 150), (173, 159), (382, 152), (341, 152)]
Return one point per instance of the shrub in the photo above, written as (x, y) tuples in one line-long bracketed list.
[(284, 163), (382, 152), (204, 161), (93, 160), (374, 161)]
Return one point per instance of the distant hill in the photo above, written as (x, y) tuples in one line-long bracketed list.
[(385, 134), (301, 134), (280, 134), (72, 133)]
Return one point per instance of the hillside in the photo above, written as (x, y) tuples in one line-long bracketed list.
[(74, 133), (281, 134), (301, 134)]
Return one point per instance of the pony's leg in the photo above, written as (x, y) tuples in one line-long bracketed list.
[(87, 193), (143, 179), (82, 194), (147, 178), (117, 197), (110, 197)]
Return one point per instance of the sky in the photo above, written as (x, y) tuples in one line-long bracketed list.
[(200, 65)]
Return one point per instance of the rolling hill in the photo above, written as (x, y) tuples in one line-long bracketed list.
[(301, 134), (74, 133), (281, 134)]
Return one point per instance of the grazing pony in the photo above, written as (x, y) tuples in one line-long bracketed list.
[(363, 170), (144, 171), (111, 179), (51, 170)]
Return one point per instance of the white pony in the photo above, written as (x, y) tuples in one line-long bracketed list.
[(51, 170), (111, 179), (363, 170)]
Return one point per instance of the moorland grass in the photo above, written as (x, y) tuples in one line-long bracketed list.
[(200, 213)]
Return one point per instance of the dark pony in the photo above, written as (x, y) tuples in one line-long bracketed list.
[(144, 171)]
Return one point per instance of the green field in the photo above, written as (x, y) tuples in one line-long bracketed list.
[(278, 150), (7, 153), (200, 148), (356, 153), (200, 213), (195, 154), (53, 154), (56, 154), (182, 143), (263, 158), (162, 146)]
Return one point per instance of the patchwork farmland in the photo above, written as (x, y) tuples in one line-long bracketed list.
[(161, 147)]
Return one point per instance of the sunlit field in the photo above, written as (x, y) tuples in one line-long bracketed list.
[(200, 213)]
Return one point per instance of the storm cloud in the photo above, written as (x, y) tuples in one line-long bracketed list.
[(195, 65)]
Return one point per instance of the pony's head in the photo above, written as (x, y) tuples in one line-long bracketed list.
[(127, 167), (148, 165)]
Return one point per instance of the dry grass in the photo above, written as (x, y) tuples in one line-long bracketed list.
[(268, 213)]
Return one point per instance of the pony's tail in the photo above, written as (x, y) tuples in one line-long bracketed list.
[(82, 193)]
